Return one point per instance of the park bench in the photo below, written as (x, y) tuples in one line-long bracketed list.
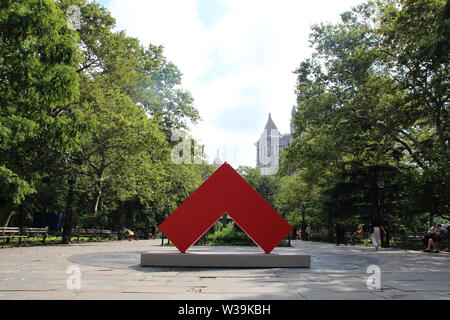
[(35, 233), (9, 233), (93, 233), (106, 234), (89, 233)]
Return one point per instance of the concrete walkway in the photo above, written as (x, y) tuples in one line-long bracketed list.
[(110, 270)]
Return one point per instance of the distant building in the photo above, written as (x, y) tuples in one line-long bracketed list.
[(217, 162), (270, 144)]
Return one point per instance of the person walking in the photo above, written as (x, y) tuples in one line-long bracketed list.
[(308, 232), (375, 229), (340, 234), (299, 234)]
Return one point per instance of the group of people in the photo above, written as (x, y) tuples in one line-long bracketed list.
[(436, 233), (308, 232), (375, 228)]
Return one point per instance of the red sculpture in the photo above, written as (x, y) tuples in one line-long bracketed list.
[(225, 191)]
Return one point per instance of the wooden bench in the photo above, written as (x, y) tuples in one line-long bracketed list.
[(93, 233), (89, 233), (106, 234), (9, 233), (35, 233)]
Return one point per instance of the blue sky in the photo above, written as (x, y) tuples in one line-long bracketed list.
[(209, 11), (237, 58)]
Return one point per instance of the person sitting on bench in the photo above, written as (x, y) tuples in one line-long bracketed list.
[(128, 233), (429, 234), (359, 234), (438, 235)]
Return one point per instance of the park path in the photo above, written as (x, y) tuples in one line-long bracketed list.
[(110, 270)]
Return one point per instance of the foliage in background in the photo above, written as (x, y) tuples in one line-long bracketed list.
[(92, 109), (373, 105)]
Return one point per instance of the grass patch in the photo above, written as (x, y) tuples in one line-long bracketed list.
[(16, 242)]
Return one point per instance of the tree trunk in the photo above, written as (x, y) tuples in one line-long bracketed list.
[(122, 214), (21, 217), (440, 132), (304, 234), (68, 217), (6, 213), (330, 226), (388, 232), (44, 216), (96, 199)]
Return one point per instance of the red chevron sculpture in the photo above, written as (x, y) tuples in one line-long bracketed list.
[(225, 191)]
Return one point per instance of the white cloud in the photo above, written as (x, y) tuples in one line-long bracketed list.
[(261, 41)]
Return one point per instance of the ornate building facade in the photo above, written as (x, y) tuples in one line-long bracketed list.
[(270, 144)]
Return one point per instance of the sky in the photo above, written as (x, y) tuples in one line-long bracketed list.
[(237, 58)]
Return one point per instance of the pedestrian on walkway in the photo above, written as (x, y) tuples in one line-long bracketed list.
[(308, 232), (340, 234), (375, 228)]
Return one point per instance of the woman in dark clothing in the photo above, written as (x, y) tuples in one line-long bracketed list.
[(340, 234)]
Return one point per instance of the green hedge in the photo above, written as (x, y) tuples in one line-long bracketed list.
[(232, 236)]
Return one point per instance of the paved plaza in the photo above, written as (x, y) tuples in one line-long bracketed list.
[(110, 270)]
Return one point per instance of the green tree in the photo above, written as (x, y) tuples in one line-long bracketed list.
[(375, 94), (38, 85), (265, 185), (296, 199), (123, 84), (121, 144)]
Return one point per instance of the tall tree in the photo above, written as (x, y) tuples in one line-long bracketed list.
[(38, 85), (375, 94), (121, 144)]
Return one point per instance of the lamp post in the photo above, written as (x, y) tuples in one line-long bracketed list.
[(381, 215), (225, 220)]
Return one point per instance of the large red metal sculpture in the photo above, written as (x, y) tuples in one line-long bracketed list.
[(225, 191)]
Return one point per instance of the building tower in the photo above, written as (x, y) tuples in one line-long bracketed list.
[(293, 114), (270, 144), (217, 162)]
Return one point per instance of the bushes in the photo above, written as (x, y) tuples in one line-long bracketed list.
[(231, 235), (228, 235)]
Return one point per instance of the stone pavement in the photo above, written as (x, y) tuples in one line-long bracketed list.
[(110, 270)]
